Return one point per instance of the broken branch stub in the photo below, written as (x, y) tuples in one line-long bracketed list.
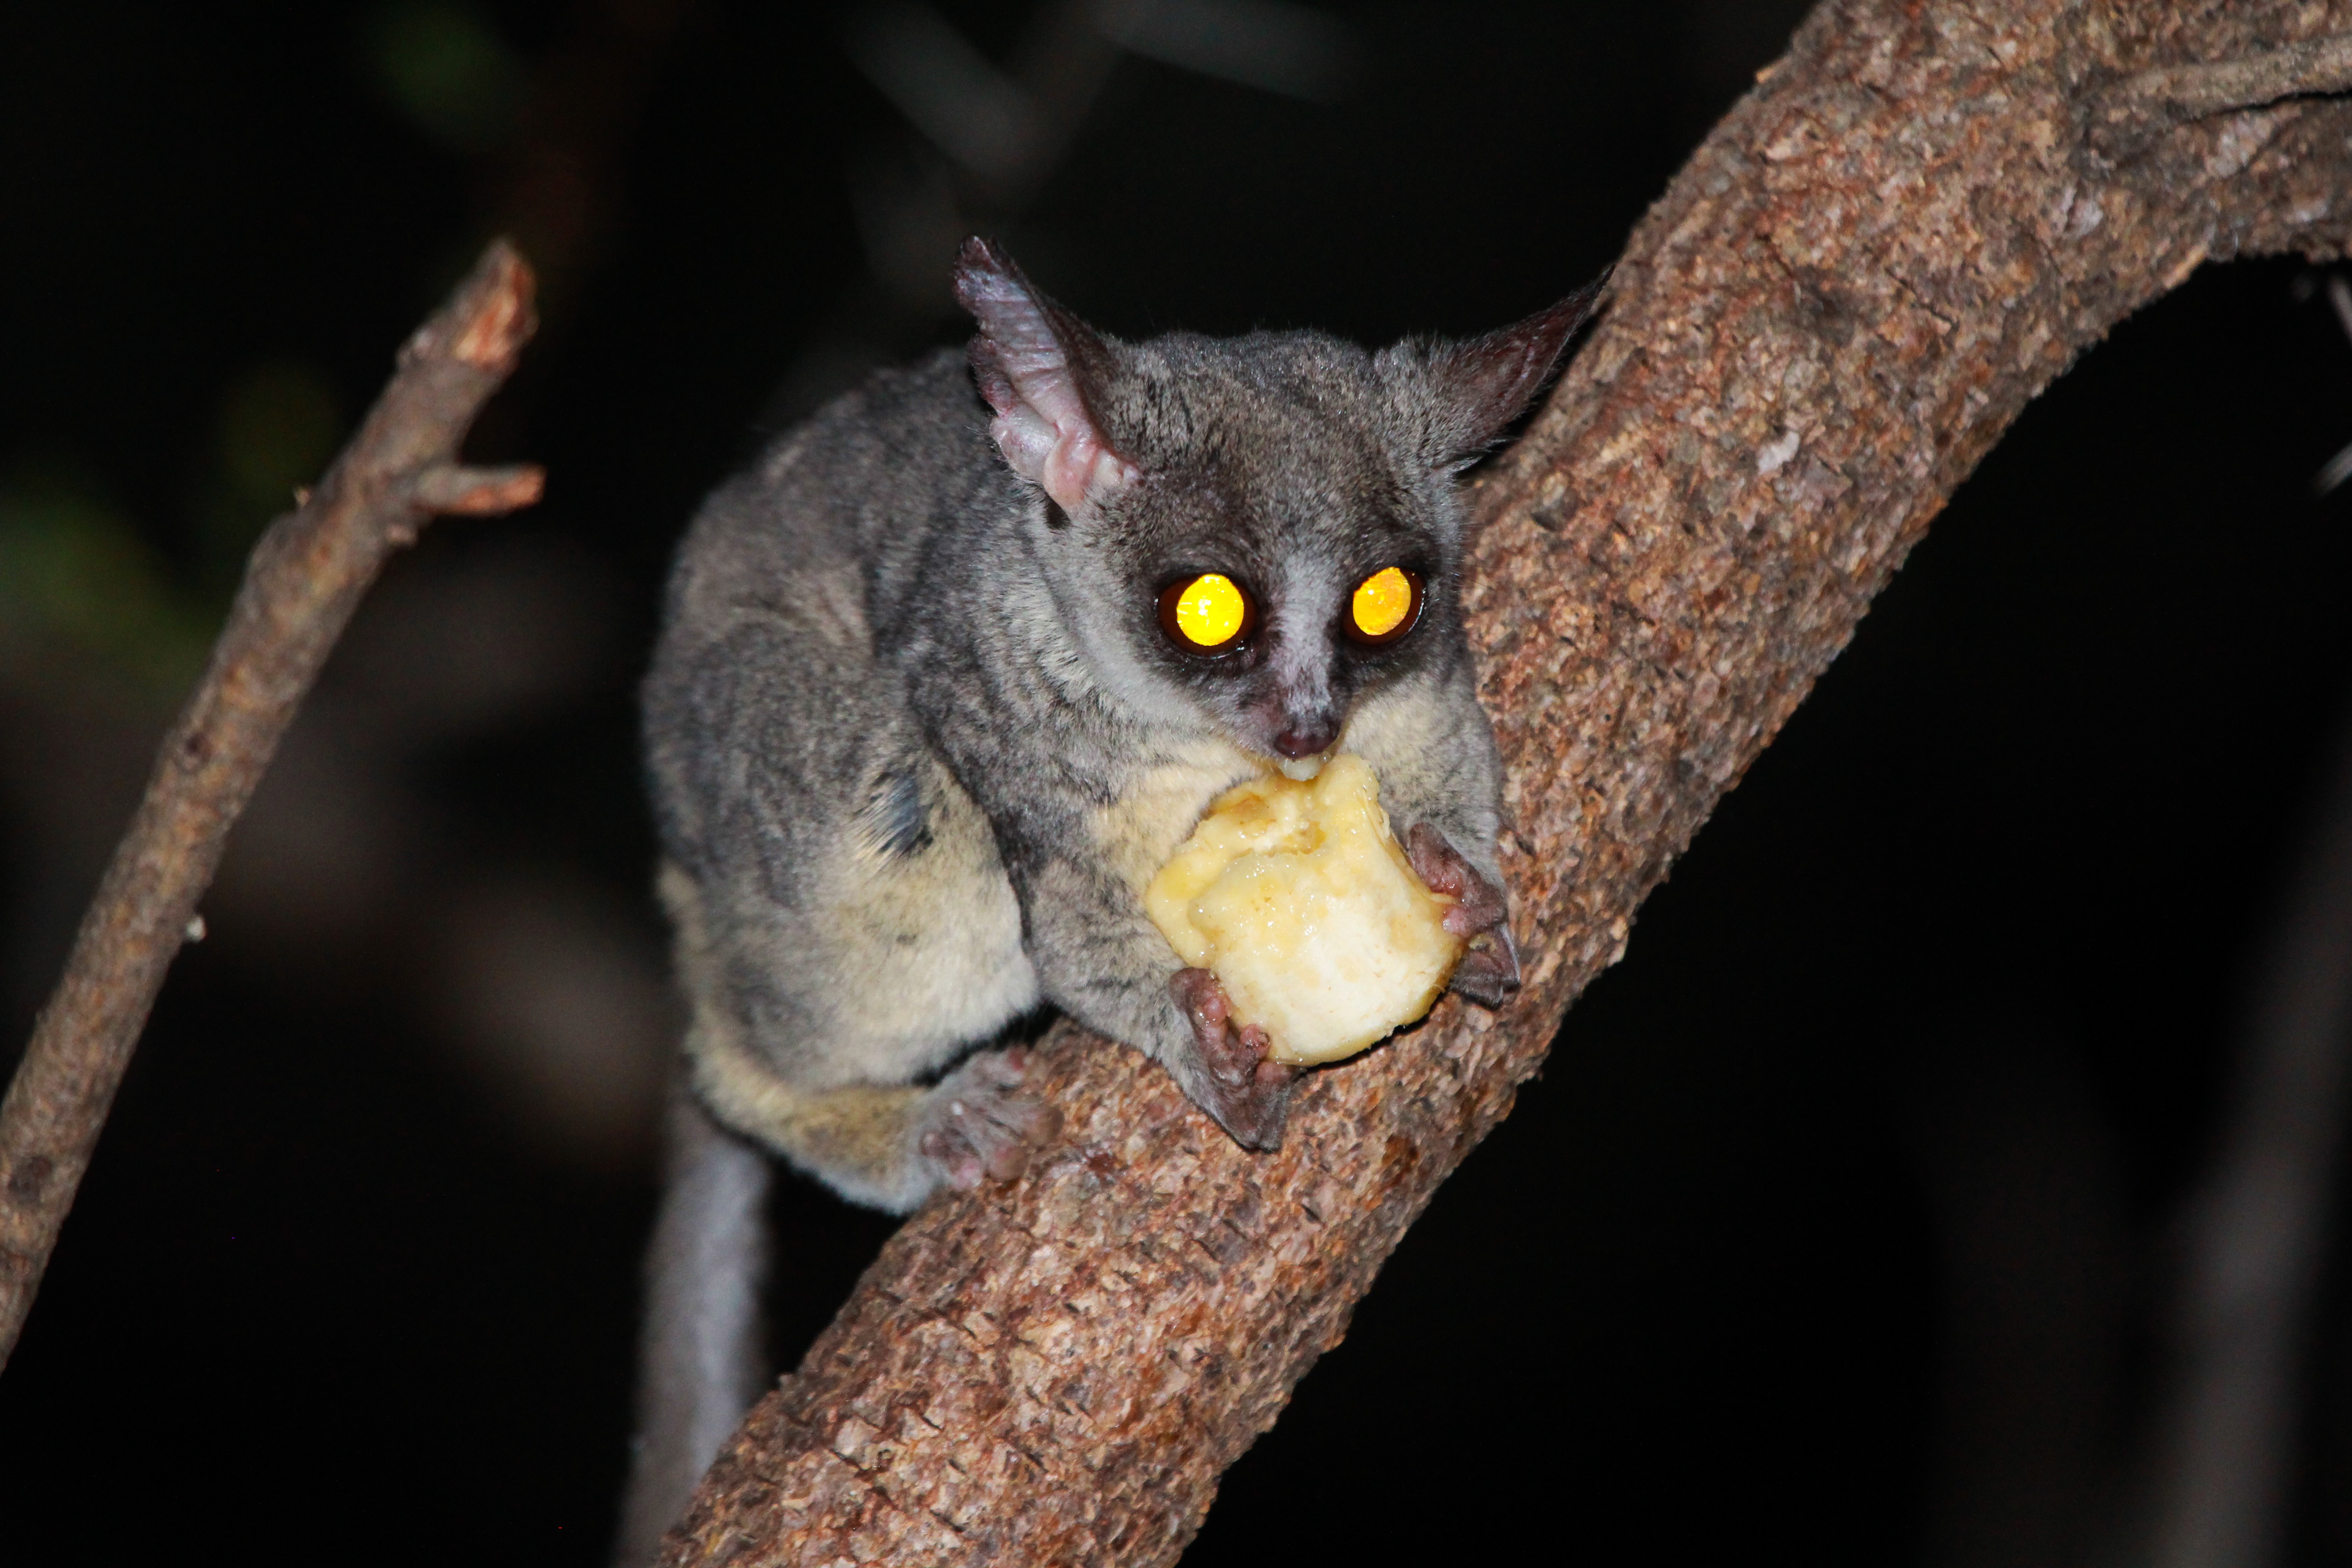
[(305, 578)]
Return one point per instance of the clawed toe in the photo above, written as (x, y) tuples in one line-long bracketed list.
[(1488, 973), (1232, 1076)]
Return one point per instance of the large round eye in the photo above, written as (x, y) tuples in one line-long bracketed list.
[(1208, 613), (1385, 607)]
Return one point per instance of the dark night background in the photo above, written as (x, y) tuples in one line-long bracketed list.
[(1846, 1224)]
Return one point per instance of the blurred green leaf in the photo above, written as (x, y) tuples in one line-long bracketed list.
[(446, 69), (279, 425), (73, 570)]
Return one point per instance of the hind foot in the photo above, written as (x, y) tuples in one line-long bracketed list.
[(974, 1126)]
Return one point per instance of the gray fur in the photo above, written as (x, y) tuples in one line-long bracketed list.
[(917, 739), (917, 743)]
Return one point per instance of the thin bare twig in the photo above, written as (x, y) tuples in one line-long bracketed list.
[(306, 577), (2339, 466)]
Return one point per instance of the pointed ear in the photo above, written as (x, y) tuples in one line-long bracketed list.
[(1034, 363), (1476, 388)]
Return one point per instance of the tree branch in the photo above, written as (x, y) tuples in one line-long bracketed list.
[(305, 578), (1860, 278), (1856, 283), (2150, 102)]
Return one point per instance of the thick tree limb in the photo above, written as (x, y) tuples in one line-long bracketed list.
[(305, 578), (1859, 281)]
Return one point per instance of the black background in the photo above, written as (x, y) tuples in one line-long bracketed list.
[(1926, 1040)]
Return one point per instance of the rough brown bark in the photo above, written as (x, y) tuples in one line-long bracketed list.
[(305, 578), (1915, 221)]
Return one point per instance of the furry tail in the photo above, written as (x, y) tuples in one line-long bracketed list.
[(701, 1363)]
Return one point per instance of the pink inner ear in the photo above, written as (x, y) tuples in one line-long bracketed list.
[(1080, 466), (1041, 425)]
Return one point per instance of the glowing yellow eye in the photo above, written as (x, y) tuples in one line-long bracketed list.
[(1208, 611), (1383, 600)]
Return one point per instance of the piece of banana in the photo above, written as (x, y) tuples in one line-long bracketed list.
[(1297, 896)]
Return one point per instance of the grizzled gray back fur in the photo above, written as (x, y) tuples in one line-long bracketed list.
[(912, 659), (918, 739)]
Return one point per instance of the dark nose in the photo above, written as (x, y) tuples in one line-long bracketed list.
[(1306, 740)]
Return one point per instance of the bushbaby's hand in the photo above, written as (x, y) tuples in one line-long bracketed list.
[(1230, 1077), (1488, 973), (974, 1125)]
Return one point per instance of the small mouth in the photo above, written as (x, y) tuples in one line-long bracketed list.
[(1300, 769)]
